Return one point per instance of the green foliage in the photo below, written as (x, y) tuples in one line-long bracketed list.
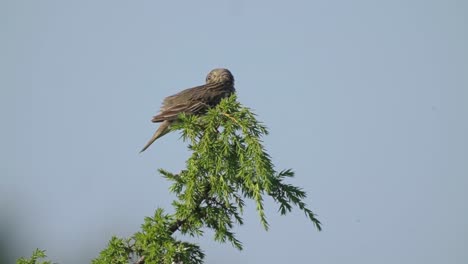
[(228, 165), (156, 243), (35, 258), (117, 252)]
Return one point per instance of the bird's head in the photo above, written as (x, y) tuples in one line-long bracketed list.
[(220, 75)]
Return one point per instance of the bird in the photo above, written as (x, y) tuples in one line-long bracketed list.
[(196, 100)]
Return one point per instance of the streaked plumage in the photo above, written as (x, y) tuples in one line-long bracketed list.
[(219, 84)]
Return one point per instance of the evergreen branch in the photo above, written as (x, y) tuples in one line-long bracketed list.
[(228, 164)]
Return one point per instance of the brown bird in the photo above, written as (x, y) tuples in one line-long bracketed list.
[(196, 100)]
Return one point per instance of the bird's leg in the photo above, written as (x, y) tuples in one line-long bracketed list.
[(229, 116), (233, 119)]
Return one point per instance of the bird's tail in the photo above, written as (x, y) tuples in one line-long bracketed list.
[(162, 130)]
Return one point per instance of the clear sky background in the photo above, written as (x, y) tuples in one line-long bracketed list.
[(366, 100)]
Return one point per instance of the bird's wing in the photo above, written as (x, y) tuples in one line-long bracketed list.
[(181, 97), (172, 112), (192, 100)]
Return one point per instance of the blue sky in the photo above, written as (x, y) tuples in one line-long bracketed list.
[(365, 100)]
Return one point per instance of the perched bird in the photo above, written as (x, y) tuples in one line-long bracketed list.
[(197, 100)]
